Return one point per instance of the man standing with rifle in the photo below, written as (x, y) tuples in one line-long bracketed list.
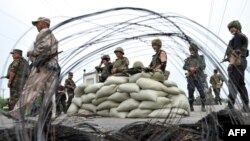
[(195, 65), (236, 54), (43, 79)]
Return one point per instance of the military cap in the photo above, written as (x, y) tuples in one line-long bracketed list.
[(235, 24), (70, 73), (105, 57), (119, 49), (193, 47), (41, 19), (156, 42), (138, 65), (17, 51)]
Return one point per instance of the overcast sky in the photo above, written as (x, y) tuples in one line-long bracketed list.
[(16, 17)]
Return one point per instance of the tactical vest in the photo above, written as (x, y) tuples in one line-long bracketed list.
[(119, 63), (157, 61), (243, 49)]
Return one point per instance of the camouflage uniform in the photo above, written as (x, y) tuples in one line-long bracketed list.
[(196, 79), (106, 70), (70, 91), (120, 64), (40, 85), (216, 81), (60, 100), (237, 46), (21, 69)]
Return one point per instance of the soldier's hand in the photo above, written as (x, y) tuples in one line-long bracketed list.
[(9, 84), (113, 70)]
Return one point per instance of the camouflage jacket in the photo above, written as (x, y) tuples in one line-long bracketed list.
[(156, 61), (21, 69), (45, 44), (120, 64), (197, 62), (69, 82), (216, 80)]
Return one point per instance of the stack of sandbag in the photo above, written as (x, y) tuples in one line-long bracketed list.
[(135, 97)]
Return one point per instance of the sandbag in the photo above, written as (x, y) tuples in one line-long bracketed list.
[(77, 101), (128, 88), (116, 80), (93, 88), (73, 109), (128, 105), (99, 100), (179, 101), (144, 96), (170, 83), (89, 107), (115, 113), (87, 98), (79, 90), (84, 112), (160, 103), (139, 113), (104, 113), (106, 91), (135, 77), (119, 97), (147, 83), (173, 90), (171, 113), (107, 105)]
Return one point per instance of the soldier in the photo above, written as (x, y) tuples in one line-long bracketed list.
[(106, 70), (121, 63), (236, 53), (40, 84), (60, 100), (159, 61), (18, 72), (195, 65), (70, 87), (216, 81)]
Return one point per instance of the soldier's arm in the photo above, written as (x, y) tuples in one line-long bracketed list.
[(186, 65), (202, 65), (12, 72)]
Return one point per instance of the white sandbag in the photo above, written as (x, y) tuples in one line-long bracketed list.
[(107, 105), (171, 113), (84, 112), (182, 92), (160, 103), (104, 113), (93, 88), (73, 109), (77, 101), (89, 107), (87, 98), (99, 100), (139, 113), (128, 88), (135, 77), (128, 105), (106, 91), (173, 90), (144, 95), (119, 97), (115, 113), (79, 90), (116, 80), (147, 83), (170, 83), (179, 101), (154, 92)]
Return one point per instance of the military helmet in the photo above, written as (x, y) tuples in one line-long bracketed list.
[(119, 49), (158, 76), (138, 65), (156, 42), (193, 47), (235, 24), (105, 57)]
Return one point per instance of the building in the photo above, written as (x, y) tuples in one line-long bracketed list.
[(90, 78)]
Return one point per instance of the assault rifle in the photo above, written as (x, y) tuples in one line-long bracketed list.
[(138, 70), (41, 60)]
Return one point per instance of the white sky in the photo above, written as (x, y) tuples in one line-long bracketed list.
[(16, 17)]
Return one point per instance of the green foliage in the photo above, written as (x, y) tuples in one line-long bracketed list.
[(3, 102)]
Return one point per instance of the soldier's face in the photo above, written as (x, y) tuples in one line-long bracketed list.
[(192, 52), (233, 30), (105, 62), (70, 76), (41, 25), (15, 55), (155, 48), (118, 54)]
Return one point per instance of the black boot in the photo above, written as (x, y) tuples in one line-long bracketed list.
[(191, 106), (203, 109)]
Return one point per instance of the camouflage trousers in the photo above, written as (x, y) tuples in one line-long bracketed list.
[(14, 96), (37, 91)]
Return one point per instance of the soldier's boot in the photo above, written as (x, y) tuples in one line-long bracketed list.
[(191, 106), (203, 109)]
